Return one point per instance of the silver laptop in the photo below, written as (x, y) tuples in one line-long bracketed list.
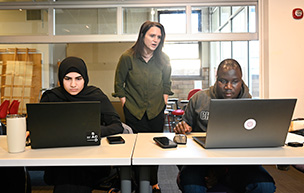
[(247, 123), (63, 124)]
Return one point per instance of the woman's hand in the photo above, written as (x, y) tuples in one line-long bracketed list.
[(166, 98), (123, 101)]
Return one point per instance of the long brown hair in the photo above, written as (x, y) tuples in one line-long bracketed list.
[(138, 47)]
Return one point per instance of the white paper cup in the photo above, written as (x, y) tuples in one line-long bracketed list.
[(16, 133)]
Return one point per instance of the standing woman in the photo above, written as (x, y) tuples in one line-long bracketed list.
[(73, 79), (143, 83)]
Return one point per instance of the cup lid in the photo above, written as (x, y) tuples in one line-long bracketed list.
[(15, 116)]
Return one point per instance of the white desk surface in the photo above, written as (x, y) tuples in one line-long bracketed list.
[(105, 154), (146, 152)]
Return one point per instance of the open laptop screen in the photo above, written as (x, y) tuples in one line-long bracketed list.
[(63, 124), (248, 122)]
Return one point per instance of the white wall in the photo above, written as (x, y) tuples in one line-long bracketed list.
[(101, 60), (282, 50)]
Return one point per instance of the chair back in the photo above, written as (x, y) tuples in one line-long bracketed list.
[(2, 129), (119, 109), (4, 109), (192, 92), (127, 129), (14, 107)]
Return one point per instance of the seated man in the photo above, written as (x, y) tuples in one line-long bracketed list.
[(253, 179)]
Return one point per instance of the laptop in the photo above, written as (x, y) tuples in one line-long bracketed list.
[(244, 123), (63, 124)]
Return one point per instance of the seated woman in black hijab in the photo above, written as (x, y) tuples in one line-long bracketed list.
[(73, 79)]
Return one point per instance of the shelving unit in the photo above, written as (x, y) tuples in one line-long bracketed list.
[(20, 75)]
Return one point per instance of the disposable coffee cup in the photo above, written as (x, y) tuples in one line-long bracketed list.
[(16, 133)]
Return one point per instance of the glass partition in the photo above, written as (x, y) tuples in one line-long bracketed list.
[(245, 52), (173, 19), (22, 0), (24, 22), (184, 58), (214, 32), (85, 21), (225, 19)]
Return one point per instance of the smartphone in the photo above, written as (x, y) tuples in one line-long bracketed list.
[(295, 144), (115, 140), (165, 142)]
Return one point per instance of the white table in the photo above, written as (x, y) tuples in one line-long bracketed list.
[(146, 153), (103, 155)]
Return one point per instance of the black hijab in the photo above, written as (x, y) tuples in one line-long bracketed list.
[(73, 64), (88, 93)]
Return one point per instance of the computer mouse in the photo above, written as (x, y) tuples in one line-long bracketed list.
[(180, 139)]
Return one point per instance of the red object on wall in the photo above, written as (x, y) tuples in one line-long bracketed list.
[(297, 13)]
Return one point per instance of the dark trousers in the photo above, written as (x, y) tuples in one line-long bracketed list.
[(75, 179), (235, 177), (145, 125), (14, 179)]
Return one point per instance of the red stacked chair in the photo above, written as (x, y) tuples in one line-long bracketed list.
[(7, 108), (4, 109), (178, 112)]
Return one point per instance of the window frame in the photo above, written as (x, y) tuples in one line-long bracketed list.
[(183, 12), (191, 77), (120, 37), (51, 38)]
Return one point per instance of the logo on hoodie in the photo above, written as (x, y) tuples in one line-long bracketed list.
[(204, 115)]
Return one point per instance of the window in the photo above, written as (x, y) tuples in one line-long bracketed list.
[(22, 0), (225, 19), (85, 21), (169, 17), (198, 36), (24, 22), (198, 61), (185, 59), (246, 53)]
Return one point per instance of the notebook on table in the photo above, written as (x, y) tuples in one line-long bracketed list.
[(247, 123), (63, 124)]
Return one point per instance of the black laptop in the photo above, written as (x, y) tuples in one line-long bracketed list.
[(63, 124), (247, 123)]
